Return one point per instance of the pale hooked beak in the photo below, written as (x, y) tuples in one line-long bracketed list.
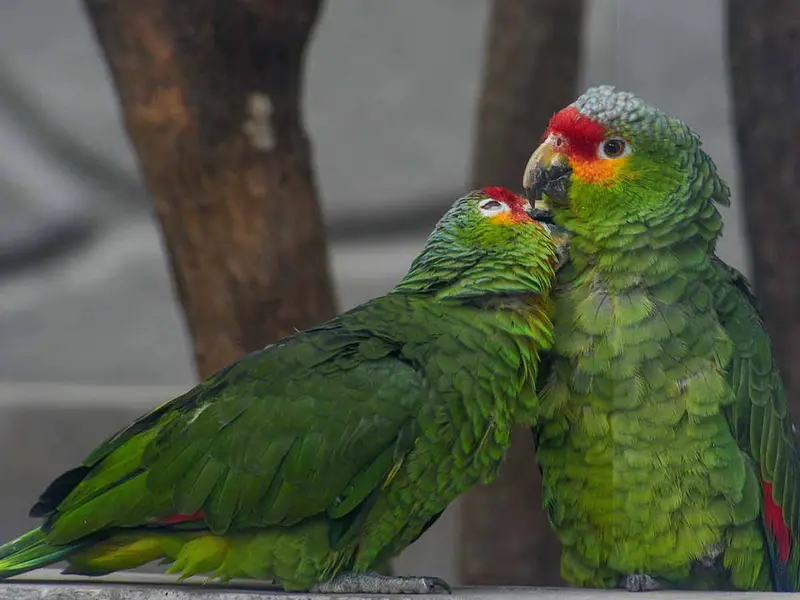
[(548, 172)]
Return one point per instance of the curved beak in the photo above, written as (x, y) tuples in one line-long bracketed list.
[(537, 214), (547, 172), (540, 214)]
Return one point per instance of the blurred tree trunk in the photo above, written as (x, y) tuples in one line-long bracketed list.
[(764, 46), (530, 71), (210, 92)]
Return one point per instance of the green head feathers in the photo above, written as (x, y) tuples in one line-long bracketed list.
[(610, 159), (486, 244)]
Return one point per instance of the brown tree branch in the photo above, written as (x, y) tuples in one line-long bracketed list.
[(764, 47), (530, 71), (210, 91)]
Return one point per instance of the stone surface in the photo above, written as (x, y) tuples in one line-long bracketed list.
[(48, 585)]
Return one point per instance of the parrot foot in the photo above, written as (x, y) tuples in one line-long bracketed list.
[(713, 553), (640, 582), (374, 583)]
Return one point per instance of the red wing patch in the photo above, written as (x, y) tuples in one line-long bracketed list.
[(175, 519), (773, 517)]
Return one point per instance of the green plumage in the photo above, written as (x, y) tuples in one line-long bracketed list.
[(663, 411), (332, 450)]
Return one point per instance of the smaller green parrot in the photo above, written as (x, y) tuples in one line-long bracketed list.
[(317, 458), (668, 455)]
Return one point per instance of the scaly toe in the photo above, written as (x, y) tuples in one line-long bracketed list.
[(640, 582)]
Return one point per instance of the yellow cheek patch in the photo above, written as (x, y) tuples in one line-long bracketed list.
[(503, 218), (598, 170)]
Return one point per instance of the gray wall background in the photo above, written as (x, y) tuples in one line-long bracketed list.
[(85, 296)]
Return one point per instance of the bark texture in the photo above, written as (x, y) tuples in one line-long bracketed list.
[(210, 95), (530, 71), (764, 48)]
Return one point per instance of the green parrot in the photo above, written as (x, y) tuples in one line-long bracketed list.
[(319, 457), (667, 452)]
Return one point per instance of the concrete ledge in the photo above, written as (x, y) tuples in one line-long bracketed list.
[(47, 584)]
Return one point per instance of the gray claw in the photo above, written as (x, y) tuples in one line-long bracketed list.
[(640, 582), (437, 582), (713, 553), (374, 583)]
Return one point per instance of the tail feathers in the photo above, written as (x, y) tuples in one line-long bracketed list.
[(783, 573), (120, 551), (31, 551)]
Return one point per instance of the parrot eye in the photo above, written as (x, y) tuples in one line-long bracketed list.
[(613, 148), (491, 207)]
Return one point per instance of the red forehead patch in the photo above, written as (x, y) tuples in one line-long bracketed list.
[(502, 194), (513, 201), (581, 133)]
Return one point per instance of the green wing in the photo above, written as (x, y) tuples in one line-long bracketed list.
[(310, 426), (762, 424)]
